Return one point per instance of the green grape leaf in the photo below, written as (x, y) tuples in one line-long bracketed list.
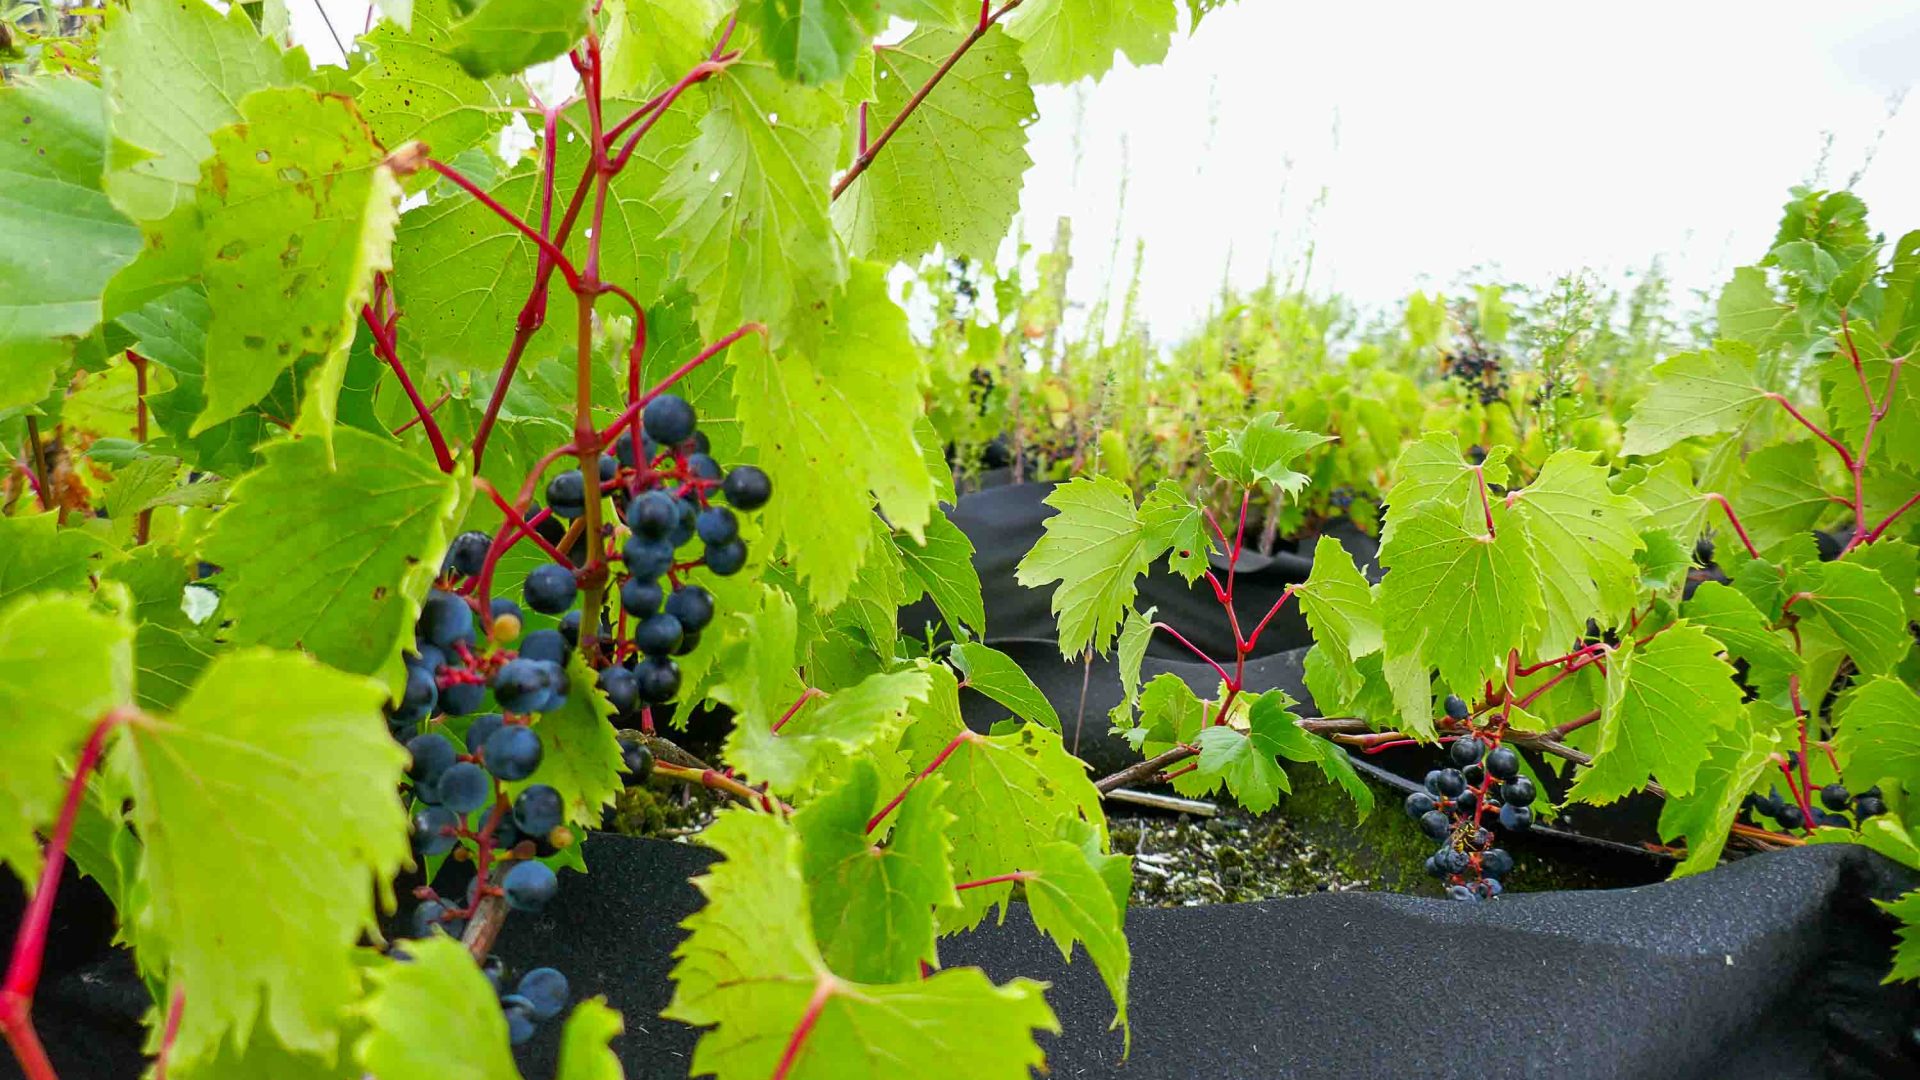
[(1906, 954), (459, 318), (1899, 563), (369, 527), (750, 199), (1672, 503), (1338, 604), (1410, 681), (436, 1013), (814, 41), (943, 569), (584, 1050), (1066, 40), (1170, 713), (1664, 701), (172, 333), (1134, 635), (962, 13), (951, 176), (64, 239), (580, 752), (1078, 893), (1879, 734), (1263, 452), (1736, 624), (1584, 538), (994, 674), (834, 426), (1899, 319), (62, 667), (1095, 547), (1663, 563), (299, 215), (1432, 470), (174, 74), (1780, 495), (169, 661), (750, 970), (1710, 392), (36, 555), (1860, 607), (1338, 767), (1747, 310), (1724, 779), (1175, 525), (1249, 763), (502, 37), (414, 89), (291, 765), (1896, 438), (1455, 596), (874, 907), (651, 43)]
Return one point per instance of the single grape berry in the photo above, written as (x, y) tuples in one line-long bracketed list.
[(465, 787), (1465, 805), (1503, 762), (445, 620), (538, 811), (1418, 804), (747, 487), (689, 641), (653, 514), (623, 448), (1446, 782), (703, 467), (1829, 819), (433, 830), (1466, 750), (529, 886), (668, 420), (641, 597), (693, 606), (646, 558), (570, 629), (550, 589), (1790, 817), (547, 989), (1835, 796), (658, 636), (1435, 824), (549, 645), (421, 696), (513, 752), (428, 917), (433, 755), (1456, 707), (1866, 806), (636, 762), (621, 687), (519, 1013), (506, 620), (467, 554), (727, 559), (1517, 791), (521, 685), (1474, 773), (1496, 863), (567, 494), (1516, 818), (684, 525), (1460, 892), (482, 729), (716, 525), (659, 679), (463, 698), (609, 468)]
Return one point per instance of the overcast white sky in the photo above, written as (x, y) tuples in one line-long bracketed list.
[(1532, 137)]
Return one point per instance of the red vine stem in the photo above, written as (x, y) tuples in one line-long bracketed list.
[(383, 345), (806, 695), (1734, 520), (938, 760), (822, 993), (1486, 507), (1846, 456), (997, 879), (522, 524), (628, 414), (1874, 533), (1254, 638), (1195, 649), (170, 1034), (866, 156), (30, 942), (547, 247)]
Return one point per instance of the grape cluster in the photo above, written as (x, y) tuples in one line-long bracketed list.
[(1831, 810), (1478, 369), (1481, 777)]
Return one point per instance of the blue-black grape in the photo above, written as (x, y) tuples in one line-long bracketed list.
[(727, 559), (1517, 792), (1456, 707), (1867, 806), (428, 917), (621, 687), (1504, 763), (653, 514), (646, 558), (462, 698), (549, 645), (609, 467), (523, 685), (1835, 796), (481, 729), (519, 1013), (1466, 750), (684, 523), (467, 554), (1419, 803), (716, 525), (636, 762), (433, 830), (668, 420), (421, 696), (432, 755), (747, 487), (641, 597), (547, 990), (703, 467), (658, 636), (693, 606), (1435, 824), (567, 494), (659, 679), (1496, 863), (550, 589), (1517, 818), (1446, 782), (465, 787), (529, 886), (538, 811), (513, 752)]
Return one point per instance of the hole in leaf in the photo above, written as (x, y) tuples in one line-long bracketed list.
[(262, 156)]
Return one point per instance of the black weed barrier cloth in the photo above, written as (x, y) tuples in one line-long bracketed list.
[(1768, 967)]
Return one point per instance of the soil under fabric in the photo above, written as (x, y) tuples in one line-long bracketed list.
[(1765, 967)]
